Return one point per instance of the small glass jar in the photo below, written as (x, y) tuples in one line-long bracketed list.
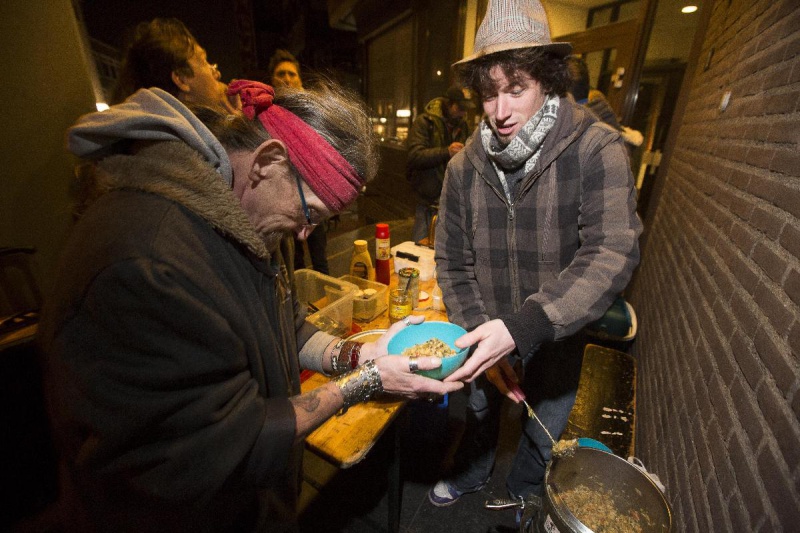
[(409, 282), (399, 305)]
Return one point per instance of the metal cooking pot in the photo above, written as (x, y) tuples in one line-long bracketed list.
[(632, 494)]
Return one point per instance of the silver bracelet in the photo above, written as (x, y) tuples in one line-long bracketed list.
[(337, 349), (359, 385)]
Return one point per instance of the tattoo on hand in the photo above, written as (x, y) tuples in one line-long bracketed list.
[(308, 402)]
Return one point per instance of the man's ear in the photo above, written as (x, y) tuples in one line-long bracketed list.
[(269, 157), (180, 82)]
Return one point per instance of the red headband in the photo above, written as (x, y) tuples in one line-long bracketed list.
[(323, 168)]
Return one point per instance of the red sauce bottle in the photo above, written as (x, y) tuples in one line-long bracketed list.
[(383, 253)]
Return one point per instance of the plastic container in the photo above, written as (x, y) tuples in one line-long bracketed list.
[(408, 254), (330, 300), (361, 263), (335, 318), (383, 254), (366, 305)]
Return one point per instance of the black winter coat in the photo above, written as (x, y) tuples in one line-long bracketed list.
[(171, 342)]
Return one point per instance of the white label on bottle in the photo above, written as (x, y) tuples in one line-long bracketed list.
[(359, 270), (382, 249)]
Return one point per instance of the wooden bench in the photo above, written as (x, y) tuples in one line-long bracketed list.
[(605, 406)]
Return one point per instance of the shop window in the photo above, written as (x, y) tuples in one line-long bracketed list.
[(390, 63)]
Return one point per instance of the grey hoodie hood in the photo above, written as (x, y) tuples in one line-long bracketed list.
[(147, 115)]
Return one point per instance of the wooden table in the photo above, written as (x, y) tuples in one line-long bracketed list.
[(17, 337), (344, 440)]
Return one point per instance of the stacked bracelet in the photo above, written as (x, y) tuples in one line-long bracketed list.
[(345, 356), (337, 350), (359, 385), (353, 353)]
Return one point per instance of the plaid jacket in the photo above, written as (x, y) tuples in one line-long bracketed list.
[(554, 258)]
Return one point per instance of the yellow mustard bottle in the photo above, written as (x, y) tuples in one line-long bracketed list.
[(361, 263)]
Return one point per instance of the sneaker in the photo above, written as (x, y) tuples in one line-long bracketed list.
[(443, 494)]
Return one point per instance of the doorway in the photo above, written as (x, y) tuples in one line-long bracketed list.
[(636, 51)]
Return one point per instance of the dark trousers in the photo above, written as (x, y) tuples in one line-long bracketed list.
[(550, 384)]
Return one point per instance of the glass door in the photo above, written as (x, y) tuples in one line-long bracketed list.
[(636, 52), (609, 53)]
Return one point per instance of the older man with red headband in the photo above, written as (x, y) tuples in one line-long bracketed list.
[(173, 339)]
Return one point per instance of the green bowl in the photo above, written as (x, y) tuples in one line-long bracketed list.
[(419, 333)]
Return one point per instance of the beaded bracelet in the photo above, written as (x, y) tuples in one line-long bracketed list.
[(360, 384)]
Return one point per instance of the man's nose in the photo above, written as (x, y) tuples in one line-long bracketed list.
[(503, 109)]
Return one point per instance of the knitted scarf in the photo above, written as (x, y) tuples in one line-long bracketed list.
[(522, 153)]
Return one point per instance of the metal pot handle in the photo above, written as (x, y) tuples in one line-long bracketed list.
[(501, 504), (519, 506)]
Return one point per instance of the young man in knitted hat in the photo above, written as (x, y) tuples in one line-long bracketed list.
[(435, 136), (537, 234), (173, 339)]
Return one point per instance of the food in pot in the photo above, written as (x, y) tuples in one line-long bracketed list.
[(433, 347), (596, 510), (565, 448)]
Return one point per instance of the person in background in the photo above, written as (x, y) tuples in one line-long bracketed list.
[(285, 72), (595, 100), (435, 136), (172, 340), (537, 233), (163, 53)]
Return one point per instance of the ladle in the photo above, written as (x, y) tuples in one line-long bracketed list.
[(560, 448)]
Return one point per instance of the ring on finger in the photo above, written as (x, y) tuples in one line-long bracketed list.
[(406, 321), (413, 366)]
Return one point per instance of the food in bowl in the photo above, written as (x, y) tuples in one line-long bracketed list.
[(432, 347), (416, 334)]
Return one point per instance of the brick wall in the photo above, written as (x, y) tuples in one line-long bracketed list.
[(718, 289)]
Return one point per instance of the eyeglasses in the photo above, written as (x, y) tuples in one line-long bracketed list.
[(306, 210)]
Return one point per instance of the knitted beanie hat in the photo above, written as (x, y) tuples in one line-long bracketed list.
[(512, 24)]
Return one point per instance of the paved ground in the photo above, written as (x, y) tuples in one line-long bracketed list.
[(355, 500)]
